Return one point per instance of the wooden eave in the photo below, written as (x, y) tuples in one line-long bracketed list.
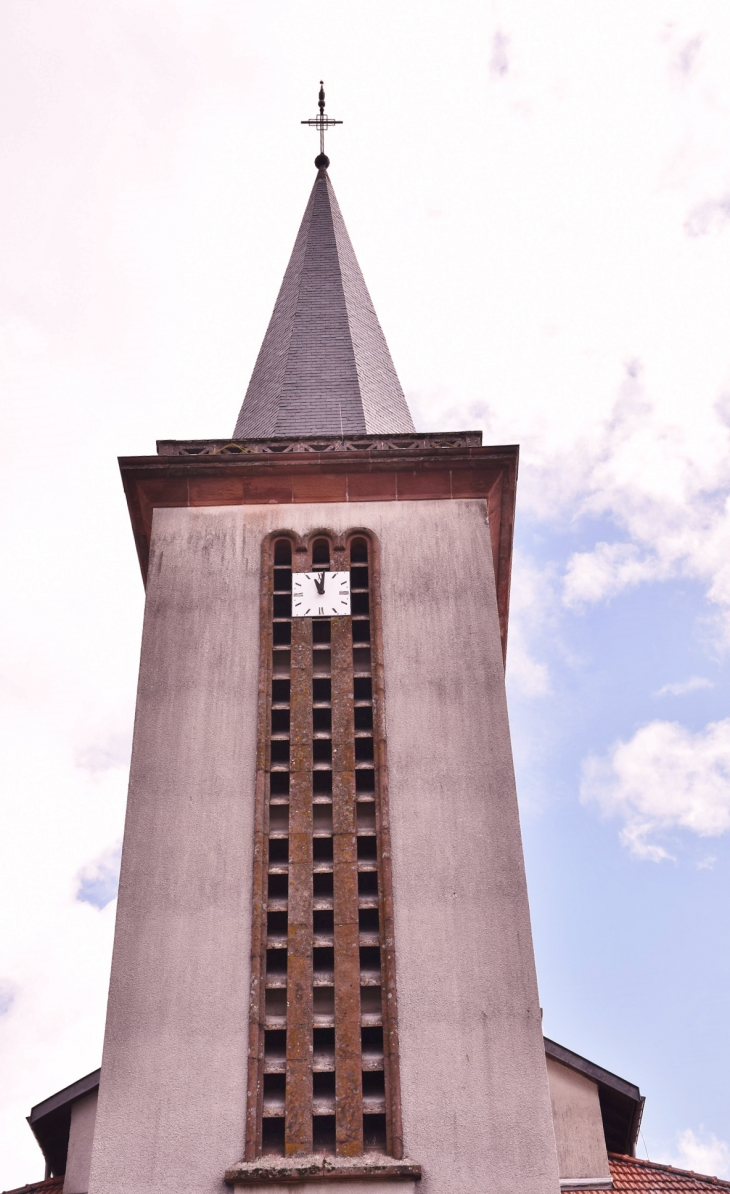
[(399, 474)]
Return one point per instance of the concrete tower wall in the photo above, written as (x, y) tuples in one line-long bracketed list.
[(476, 1107)]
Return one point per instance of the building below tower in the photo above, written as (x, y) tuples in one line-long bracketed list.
[(596, 1116)]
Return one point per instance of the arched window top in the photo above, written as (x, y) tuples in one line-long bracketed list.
[(321, 553), (359, 551), (282, 552)]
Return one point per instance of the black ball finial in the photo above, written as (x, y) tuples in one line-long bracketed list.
[(321, 161)]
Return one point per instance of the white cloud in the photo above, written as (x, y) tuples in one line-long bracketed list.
[(666, 488), (499, 62), (56, 905), (707, 864), (685, 60), (680, 687), (103, 747), (532, 605), (606, 570), (530, 676), (663, 779), (98, 881), (712, 215), (702, 1152), (7, 996)]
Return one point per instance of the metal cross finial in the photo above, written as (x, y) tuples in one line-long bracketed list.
[(321, 122)]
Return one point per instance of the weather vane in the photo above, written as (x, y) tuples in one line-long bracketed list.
[(321, 122)]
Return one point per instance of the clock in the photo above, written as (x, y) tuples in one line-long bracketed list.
[(320, 594)]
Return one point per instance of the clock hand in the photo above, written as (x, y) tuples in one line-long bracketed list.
[(319, 584)]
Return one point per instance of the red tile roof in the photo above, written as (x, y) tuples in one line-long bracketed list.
[(632, 1176), (52, 1185)]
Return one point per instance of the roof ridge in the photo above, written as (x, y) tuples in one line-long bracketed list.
[(373, 362), (47, 1186), (270, 366), (306, 219), (334, 209), (667, 1168)]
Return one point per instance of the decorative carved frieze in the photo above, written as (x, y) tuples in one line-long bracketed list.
[(317, 443)]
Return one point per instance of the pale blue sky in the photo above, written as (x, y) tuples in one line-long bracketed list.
[(633, 955)]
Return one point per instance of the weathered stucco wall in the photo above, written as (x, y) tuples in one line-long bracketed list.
[(172, 1092), (476, 1108), (80, 1141), (578, 1124)]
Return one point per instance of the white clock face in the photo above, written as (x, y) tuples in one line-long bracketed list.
[(320, 594)]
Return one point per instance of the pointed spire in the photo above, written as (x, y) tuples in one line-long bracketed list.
[(324, 367)]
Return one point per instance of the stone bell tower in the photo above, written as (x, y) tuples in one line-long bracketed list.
[(323, 970)]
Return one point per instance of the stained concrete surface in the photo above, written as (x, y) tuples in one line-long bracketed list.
[(579, 1134), (476, 1108)]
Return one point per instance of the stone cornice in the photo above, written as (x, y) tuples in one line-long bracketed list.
[(318, 1168), (434, 467)]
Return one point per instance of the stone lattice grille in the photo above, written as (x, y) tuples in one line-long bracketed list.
[(323, 1064)]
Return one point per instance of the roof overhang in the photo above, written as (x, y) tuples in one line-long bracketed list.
[(621, 1106), (389, 468), (50, 1121), (622, 1103)]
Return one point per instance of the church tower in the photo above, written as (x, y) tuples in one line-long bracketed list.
[(323, 971)]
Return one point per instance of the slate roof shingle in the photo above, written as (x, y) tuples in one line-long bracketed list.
[(324, 367)]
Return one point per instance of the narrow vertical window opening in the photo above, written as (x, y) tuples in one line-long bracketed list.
[(323, 1045)]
